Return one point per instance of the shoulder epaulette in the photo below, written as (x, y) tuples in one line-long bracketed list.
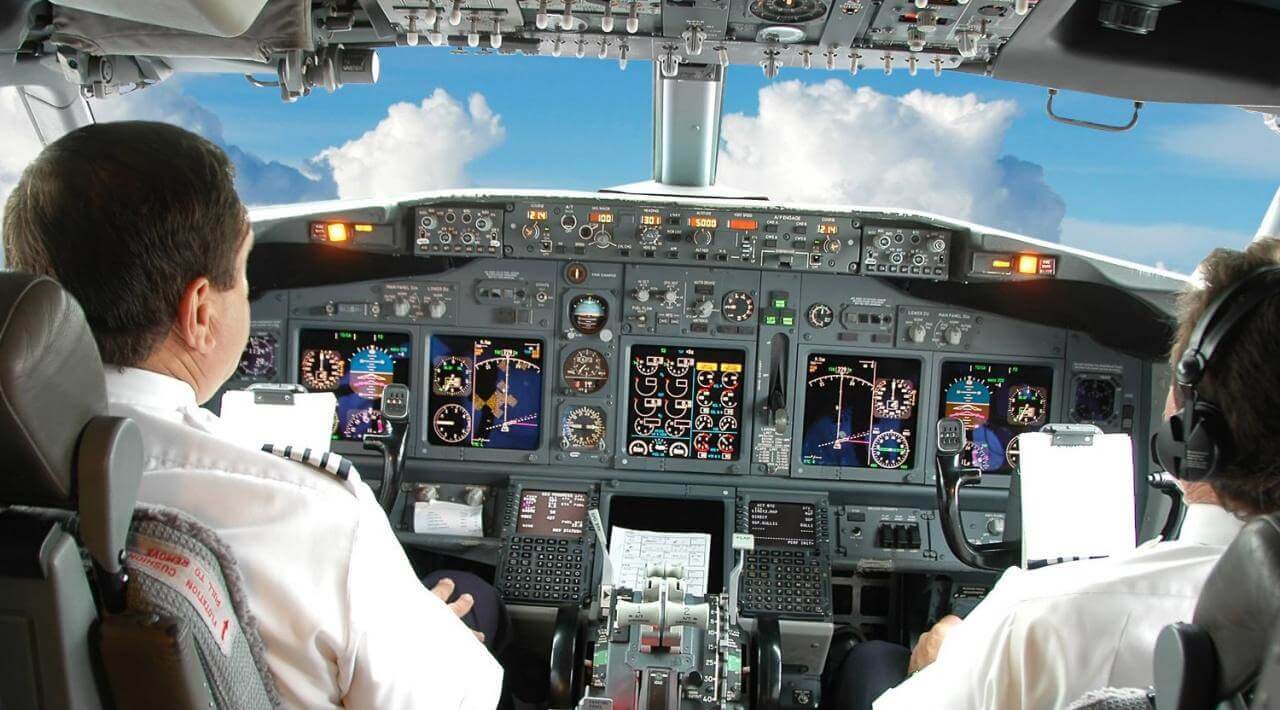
[(323, 460)]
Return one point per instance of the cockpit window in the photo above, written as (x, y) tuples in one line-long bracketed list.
[(1186, 179)]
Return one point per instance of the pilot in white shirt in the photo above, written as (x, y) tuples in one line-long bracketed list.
[(345, 621), (141, 223), (1044, 638)]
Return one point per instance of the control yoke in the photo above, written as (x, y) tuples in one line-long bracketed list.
[(389, 441), (951, 476)]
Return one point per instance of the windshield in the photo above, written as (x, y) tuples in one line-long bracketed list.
[(1186, 180)]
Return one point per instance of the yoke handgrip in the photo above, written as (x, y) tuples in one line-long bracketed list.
[(767, 663), (566, 657), (951, 476)]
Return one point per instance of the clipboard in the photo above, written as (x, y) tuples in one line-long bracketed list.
[(1077, 494), (283, 414)]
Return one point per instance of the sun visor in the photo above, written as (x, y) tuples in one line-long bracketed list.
[(281, 25), (221, 18)]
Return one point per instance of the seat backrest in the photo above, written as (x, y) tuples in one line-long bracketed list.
[(69, 483), (1220, 653)]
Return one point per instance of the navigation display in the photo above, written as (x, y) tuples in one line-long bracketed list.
[(782, 524), (685, 402), (355, 365), (485, 393), (996, 402), (552, 513), (860, 412)]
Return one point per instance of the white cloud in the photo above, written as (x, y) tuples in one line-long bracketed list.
[(414, 148), (20, 141), (1238, 142), (1177, 247), (831, 143)]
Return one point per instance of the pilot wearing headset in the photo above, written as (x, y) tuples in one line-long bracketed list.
[(1042, 639), (141, 223)]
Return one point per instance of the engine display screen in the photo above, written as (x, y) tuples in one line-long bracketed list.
[(552, 513), (485, 393), (782, 524), (996, 402), (355, 365), (685, 402), (860, 412)]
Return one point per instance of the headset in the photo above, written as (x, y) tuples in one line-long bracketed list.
[(1195, 443)]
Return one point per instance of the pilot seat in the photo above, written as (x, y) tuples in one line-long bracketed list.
[(103, 603)]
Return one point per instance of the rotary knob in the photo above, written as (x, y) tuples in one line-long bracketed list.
[(703, 308), (649, 237), (670, 296), (641, 295), (603, 238), (916, 333), (953, 335), (995, 526), (436, 309), (702, 237), (401, 309), (831, 246)]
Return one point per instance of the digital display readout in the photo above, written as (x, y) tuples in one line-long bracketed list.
[(746, 225), (828, 229), (996, 402), (860, 412), (552, 513), (782, 524), (600, 218), (355, 366), (535, 215), (485, 393), (651, 220), (685, 403), (703, 222)]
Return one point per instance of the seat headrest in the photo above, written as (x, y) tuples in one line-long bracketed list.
[(51, 385), (1239, 606)]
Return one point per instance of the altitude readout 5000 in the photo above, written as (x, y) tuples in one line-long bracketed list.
[(685, 403), (860, 412)]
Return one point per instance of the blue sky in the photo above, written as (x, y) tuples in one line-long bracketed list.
[(1186, 179)]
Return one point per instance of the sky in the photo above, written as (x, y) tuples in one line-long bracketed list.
[(1187, 179)]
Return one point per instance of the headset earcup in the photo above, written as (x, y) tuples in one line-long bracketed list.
[(1208, 444), (1167, 447)]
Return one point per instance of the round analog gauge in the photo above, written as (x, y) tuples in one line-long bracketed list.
[(648, 364), (451, 376), (706, 378), (738, 306), (889, 449), (638, 447), (728, 398), (679, 367), (788, 11), (1011, 453), (731, 380), (645, 426), (728, 423), (586, 371), (727, 443), (322, 370), (259, 357), (452, 423), (893, 398), (588, 314), (703, 421), (360, 422), (1095, 400), (678, 450), (702, 442), (820, 315), (704, 398), (1028, 406), (583, 428), (677, 428)]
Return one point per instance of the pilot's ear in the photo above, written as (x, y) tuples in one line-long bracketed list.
[(194, 320)]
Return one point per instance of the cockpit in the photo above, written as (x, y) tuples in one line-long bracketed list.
[(700, 442)]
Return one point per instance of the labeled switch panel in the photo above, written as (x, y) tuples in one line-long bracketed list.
[(906, 252), (458, 230)]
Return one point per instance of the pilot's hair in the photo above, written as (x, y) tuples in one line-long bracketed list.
[(1244, 379), (125, 215)]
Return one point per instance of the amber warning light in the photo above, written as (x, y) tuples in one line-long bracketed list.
[(338, 232), (746, 225)]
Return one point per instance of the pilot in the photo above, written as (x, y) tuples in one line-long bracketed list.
[(1042, 639), (141, 223)]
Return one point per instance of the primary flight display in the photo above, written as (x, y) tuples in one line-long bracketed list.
[(355, 365)]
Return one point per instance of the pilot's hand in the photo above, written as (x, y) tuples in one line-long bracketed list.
[(461, 606), (930, 642)]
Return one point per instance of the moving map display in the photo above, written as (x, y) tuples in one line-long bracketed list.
[(485, 393), (860, 412), (685, 402), (355, 365), (996, 402)]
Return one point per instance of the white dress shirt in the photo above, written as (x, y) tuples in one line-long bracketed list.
[(345, 620), (1043, 638)]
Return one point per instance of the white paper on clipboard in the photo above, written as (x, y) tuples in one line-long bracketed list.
[(306, 421), (1077, 500)]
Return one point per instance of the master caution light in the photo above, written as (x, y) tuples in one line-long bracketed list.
[(341, 232)]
